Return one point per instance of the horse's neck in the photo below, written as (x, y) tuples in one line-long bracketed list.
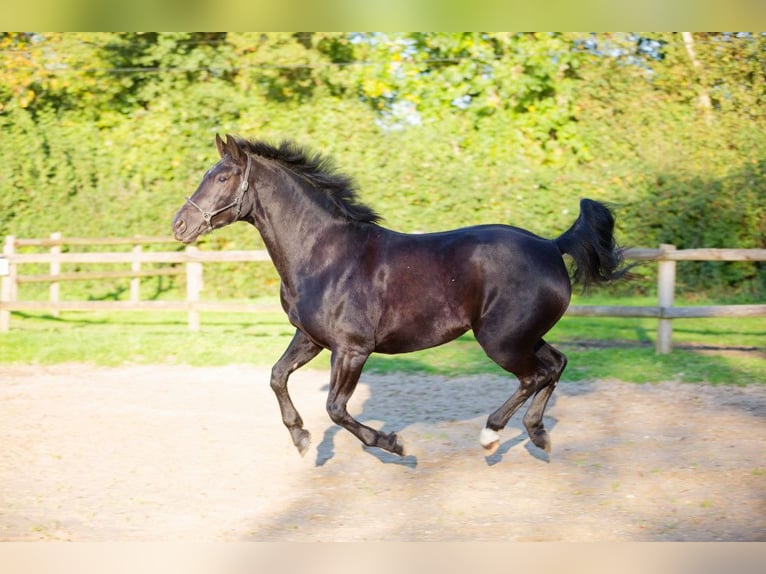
[(295, 228)]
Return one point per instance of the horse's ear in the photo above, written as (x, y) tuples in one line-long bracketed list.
[(220, 145), (232, 147)]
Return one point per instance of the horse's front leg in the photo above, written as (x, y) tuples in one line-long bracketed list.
[(346, 370), (300, 351)]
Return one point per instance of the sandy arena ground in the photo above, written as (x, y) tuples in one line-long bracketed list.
[(175, 453)]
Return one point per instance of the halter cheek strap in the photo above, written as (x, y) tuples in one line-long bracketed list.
[(207, 216)]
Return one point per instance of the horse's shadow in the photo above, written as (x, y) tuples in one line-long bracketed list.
[(402, 400), (326, 451)]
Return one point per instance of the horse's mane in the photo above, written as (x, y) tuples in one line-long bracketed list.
[(339, 190)]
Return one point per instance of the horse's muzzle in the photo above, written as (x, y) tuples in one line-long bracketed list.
[(179, 227), (180, 231)]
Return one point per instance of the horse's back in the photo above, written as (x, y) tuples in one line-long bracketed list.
[(480, 253)]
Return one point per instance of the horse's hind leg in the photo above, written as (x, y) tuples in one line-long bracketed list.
[(300, 351), (556, 361), (536, 369)]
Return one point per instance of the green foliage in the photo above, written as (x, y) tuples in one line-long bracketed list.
[(104, 133)]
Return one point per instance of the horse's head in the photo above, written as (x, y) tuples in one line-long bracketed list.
[(217, 202)]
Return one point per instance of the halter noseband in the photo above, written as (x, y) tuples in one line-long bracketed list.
[(207, 216)]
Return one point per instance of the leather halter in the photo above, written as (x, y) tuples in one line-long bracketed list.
[(207, 216)]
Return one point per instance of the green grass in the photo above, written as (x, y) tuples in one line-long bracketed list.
[(597, 347), (144, 338)]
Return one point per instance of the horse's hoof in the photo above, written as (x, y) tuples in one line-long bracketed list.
[(303, 442), (541, 440), (399, 449), (394, 446), (490, 440)]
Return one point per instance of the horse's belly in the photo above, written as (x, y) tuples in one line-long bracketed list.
[(408, 329), (401, 344)]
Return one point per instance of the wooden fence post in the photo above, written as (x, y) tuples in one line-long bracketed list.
[(7, 283), (666, 284), (135, 282), (193, 287), (55, 269)]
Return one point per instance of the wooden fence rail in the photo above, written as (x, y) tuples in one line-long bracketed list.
[(193, 261)]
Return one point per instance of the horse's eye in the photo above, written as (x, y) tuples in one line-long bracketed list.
[(222, 179)]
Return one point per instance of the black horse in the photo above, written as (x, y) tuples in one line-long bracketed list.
[(354, 287)]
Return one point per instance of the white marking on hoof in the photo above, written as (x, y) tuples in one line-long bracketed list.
[(489, 439)]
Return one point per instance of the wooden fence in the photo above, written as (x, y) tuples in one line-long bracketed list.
[(193, 261)]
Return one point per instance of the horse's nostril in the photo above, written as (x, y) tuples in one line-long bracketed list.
[(180, 225)]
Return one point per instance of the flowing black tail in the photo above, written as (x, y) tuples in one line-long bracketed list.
[(590, 242)]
